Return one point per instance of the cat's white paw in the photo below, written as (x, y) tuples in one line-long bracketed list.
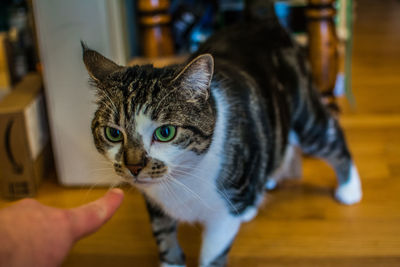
[(350, 192), (249, 214), (165, 264)]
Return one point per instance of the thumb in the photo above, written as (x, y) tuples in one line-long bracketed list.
[(89, 218)]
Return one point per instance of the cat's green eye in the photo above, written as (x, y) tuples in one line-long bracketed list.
[(113, 135), (164, 133)]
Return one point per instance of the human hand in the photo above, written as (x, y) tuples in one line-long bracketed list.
[(32, 234)]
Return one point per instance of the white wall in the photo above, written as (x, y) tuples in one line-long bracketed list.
[(61, 25)]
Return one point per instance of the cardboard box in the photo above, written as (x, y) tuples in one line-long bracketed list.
[(25, 153)]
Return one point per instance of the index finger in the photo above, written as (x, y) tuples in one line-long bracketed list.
[(89, 218)]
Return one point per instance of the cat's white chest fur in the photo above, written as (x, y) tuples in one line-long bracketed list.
[(193, 195)]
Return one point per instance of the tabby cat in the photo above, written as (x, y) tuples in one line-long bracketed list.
[(202, 140)]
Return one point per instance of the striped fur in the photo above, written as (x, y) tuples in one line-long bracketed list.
[(234, 104)]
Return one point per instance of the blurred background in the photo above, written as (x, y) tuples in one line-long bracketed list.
[(46, 106)]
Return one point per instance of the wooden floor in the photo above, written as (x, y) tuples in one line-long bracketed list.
[(301, 224)]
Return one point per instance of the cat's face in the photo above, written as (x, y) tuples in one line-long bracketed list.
[(152, 124)]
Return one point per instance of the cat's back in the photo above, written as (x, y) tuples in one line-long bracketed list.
[(265, 53), (253, 46), (248, 43)]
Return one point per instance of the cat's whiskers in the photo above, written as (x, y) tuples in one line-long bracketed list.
[(187, 189), (83, 187), (171, 192), (189, 169), (105, 161), (105, 93), (100, 181), (189, 164), (224, 194), (108, 106), (100, 169), (115, 184)]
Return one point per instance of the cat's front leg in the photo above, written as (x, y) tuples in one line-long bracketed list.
[(164, 231), (218, 237)]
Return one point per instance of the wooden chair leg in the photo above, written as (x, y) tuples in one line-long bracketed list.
[(323, 47), (154, 20)]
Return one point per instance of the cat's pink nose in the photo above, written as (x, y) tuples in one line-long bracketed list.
[(135, 169)]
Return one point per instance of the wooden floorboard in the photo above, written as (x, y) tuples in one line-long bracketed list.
[(300, 224)]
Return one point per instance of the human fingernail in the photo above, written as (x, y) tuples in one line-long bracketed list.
[(117, 191)]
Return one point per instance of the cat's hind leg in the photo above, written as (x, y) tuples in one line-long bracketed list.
[(324, 138), (164, 231), (350, 191)]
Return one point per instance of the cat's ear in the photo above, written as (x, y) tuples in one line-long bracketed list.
[(196, 76), (98, 66)]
